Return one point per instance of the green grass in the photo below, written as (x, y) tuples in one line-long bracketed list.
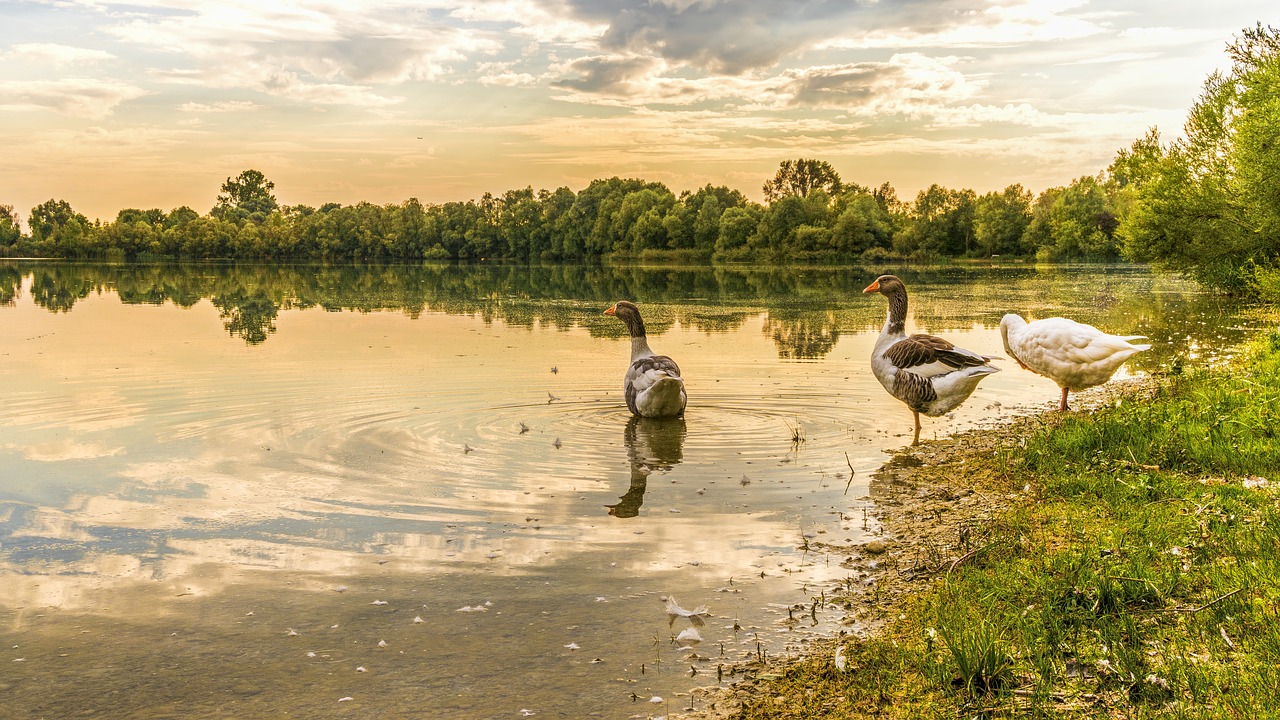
[(1139, 578)]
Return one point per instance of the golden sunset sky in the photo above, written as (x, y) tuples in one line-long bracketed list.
[(154, 103)]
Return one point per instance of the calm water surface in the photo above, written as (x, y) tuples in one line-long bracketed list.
[(417, 492)]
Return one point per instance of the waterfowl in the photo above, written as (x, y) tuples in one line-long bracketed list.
[(652, 385), (929, 374), (1073, 355)]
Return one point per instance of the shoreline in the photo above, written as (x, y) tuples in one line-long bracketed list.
[(931, 507)]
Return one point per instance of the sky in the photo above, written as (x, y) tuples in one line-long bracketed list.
[(156, 103)]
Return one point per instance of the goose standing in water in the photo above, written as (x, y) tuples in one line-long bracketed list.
[(652, 386), (929, 374), (1073, 355)]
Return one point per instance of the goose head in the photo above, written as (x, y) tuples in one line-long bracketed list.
[(896, 293), (1008, 322), (886, 285), (1011, 320), (629, 314)]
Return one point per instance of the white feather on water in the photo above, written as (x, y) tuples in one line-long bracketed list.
[(695, 615)]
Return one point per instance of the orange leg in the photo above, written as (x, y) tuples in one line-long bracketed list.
[(915, 440)]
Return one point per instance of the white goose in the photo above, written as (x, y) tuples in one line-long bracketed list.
[(1073, 355), (929, 374), (653, 386)]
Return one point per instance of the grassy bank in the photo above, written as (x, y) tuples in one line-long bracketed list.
[(1133, 572)]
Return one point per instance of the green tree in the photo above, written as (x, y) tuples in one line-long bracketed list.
[(706, 225), (779, 224), (939, 223), (588, 227), (247, 196), (10, 228), (637, 224), (554, 205), (180, 216), (678, 223), (737, 227), (1082, 222), (861, 223), (801, 177), (519, 216), (1000, 220), (410, 221), (55, 222), (1038, 237), (1209, 203), (153, 217)]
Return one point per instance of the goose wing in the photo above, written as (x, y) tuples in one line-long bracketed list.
[(929, 355), (1071, 353), (1057, 341), (649, 372)]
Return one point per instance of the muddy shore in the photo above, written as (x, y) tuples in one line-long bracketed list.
[(931, 503)]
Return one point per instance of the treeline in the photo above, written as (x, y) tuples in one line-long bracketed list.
[(1207, 204), (814, 217)]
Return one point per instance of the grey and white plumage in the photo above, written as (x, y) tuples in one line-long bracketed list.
[(929, 374), (652, 385), (1073, 355)]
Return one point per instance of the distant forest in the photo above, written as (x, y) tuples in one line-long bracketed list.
[(1207, 204), (810, 213)]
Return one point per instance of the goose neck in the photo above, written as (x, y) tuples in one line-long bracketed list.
[(640, 347), (897, 320)]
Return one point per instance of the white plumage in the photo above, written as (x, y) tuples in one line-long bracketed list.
[(929, 374), (652, 385), (1073, 355)]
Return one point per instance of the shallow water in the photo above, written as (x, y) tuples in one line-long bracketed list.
[(407, 492)]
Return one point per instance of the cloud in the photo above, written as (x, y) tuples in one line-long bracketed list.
[(727, 38), (618, 76), (982, 115), (80, 97), (505, 74), (542, 22), (378, 60), (316, 52), (57, 55), (973, 24), (226, 106), (906, 83), (734, 38), (293, 86)]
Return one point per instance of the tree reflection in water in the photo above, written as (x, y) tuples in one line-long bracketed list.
[(10, 284), (806, 311), (803, 335), (653, 445), (250, 316)]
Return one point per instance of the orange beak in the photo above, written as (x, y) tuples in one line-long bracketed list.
[(611, 310), (873, 287)]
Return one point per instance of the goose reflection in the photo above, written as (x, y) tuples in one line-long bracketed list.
[(652, 444)]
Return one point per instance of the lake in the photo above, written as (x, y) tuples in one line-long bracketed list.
[(404, 492)]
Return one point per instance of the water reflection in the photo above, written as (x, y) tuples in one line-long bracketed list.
[(807, 309), (803, 335), (10, 284), (250, 316), (653, 445)]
